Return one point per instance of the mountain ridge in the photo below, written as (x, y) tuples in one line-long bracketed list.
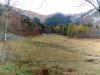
[(90, 17)]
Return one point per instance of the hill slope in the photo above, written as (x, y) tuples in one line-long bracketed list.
[(92, 17)]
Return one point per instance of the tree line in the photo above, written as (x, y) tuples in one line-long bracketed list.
[(71, 29)]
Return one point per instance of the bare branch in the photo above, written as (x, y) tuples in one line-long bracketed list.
[(98, 2), (43, 1), (89, 1), (83, 4)]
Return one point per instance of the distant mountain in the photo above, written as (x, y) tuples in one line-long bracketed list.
[(16, 15), (15, 19), (90, 17), (31, 14), (57, 19), (52, 19)]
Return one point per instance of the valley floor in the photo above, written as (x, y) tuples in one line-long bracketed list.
[(60, 54)]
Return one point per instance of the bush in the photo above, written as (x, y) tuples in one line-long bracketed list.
[(80, 30)]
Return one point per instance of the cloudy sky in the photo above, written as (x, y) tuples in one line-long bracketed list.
[(51, 6)]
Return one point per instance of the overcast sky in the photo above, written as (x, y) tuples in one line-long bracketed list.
[(52, 6)]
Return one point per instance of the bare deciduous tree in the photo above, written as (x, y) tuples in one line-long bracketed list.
[(6, 6), (95, 4)]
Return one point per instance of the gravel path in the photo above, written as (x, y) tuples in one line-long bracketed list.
[(11, 36)]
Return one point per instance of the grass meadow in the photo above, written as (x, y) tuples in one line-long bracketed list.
[(59, 54)]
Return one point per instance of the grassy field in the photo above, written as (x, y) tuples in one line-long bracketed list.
[(59, 54)]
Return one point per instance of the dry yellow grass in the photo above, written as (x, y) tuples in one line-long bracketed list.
[(83, 55)]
